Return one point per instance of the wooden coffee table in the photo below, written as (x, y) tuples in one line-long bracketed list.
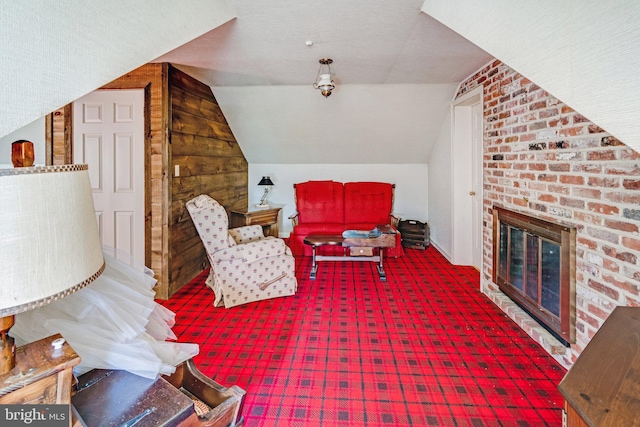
[(360, 249)]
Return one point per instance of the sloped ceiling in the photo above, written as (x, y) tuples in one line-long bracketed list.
[(395, 68), (357, 124), (584, 52), (55, 52)]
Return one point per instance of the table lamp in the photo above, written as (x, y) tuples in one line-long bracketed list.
[(267, 183), (49, 241)]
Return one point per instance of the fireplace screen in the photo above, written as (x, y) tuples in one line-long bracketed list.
[(534, 264)]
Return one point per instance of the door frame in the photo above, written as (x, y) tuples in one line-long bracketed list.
[(461, 178), (59, 139)]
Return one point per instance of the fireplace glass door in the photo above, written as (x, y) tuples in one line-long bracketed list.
[(533, 265)]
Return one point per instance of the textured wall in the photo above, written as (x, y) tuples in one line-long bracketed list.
[(585, 52), (55, 52), (544, 159)]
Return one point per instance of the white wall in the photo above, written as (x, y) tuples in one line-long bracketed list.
[(440, 189), (358, 124), (584, 52), (411, 182), (56, 52), (33, 132)]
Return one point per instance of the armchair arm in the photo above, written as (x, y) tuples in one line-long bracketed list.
[(247, 233), (393, 220), (252, 251), (294, 218)]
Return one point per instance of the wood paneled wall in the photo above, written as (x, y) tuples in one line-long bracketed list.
[(210, 161), (183, 126), (58, 134), (153, 78)]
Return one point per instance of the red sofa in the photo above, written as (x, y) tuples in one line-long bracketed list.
[(333, 207)]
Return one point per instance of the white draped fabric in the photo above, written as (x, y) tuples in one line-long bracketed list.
[(112, 323)]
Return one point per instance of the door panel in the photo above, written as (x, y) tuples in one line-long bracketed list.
[(92, 155), (109, 137)]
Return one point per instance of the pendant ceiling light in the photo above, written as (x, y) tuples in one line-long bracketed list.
[(324, 79)]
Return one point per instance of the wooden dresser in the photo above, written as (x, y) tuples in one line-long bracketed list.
[(602, 388)]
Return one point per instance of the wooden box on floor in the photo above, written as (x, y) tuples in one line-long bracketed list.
[(186, 398), (415, 234)]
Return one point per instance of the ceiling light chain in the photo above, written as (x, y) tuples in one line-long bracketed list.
[(324, 79)]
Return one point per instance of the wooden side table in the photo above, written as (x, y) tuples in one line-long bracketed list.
[(360, 249), (266, 217), (42, 375)]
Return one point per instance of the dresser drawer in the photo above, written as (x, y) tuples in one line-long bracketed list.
[(262, 218)]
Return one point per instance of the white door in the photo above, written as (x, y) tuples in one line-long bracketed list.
[(108, 135), (466, 179), (476, 184)]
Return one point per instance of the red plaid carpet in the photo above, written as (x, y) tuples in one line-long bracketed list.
[(426, 348)]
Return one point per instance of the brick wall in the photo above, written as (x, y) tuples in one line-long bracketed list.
[(544, 159)]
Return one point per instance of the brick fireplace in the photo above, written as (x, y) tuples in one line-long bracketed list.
[(546, 160), (534, 265)]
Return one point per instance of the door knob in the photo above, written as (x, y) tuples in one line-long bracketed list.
[(472, 193)]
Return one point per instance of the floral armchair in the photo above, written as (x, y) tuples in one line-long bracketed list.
[(245, 266)]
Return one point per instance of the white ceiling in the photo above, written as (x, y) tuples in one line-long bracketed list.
[(372, 43), (55, 52)]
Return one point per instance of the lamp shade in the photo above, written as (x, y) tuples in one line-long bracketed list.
[(49, 240), (265, 181)]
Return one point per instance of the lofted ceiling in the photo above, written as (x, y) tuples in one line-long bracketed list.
[(396, 71), (55, 52)]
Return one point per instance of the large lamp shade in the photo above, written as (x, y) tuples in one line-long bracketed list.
[(49, 240)]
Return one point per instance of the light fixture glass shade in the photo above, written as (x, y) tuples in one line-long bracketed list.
[(49, 240), (324, 79), (325, 82)]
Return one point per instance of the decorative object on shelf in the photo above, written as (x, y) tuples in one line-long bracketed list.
[(324, 79), (267, 183), (50, 245), (22, 153)]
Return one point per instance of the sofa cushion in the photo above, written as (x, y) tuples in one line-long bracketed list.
[(320, 201), (367, 202), (319, 228)]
